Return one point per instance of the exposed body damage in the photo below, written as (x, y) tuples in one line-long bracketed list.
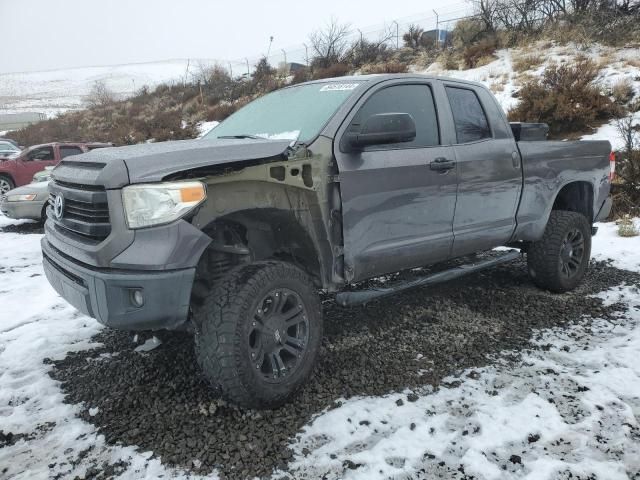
[(315, 186), (287, 209)]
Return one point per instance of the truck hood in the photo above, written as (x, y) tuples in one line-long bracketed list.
[(152, 162)]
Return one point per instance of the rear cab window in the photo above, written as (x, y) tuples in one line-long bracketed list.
[(414, 99), (468, 115), (67, 151)]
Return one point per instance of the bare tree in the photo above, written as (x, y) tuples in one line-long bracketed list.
[(329, 43), (100, 95), (413, 37)]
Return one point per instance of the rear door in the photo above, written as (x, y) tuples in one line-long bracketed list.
[(398, 199), (489, 171)]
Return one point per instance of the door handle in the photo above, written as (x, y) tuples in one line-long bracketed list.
[(442, 164)]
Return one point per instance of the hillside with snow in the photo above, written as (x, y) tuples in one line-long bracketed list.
[(57, 91), (500, 76)]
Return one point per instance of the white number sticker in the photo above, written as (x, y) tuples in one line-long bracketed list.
[(331, 87)]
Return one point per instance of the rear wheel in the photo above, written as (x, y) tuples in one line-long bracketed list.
[(6, 184), (560, 259), (260, 333)]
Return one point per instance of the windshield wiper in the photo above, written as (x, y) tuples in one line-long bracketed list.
[(243, 135)]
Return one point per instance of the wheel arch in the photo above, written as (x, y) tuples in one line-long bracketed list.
[(576, 196)]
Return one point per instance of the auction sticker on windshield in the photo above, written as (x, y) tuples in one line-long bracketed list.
[(338, 86)]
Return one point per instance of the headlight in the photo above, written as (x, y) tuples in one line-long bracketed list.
[(21, 198), (160, 203)]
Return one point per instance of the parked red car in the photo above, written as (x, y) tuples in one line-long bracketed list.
[(18, 171)]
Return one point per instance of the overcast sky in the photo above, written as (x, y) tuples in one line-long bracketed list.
[(51, 34)]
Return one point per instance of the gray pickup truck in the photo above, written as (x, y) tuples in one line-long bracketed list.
[(315, 186)]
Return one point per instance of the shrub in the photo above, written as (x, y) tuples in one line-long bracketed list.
[(566, 97), (335, 70), (100, 95), (626, 227), (448, 60), (468, 31), (622, 91), (364, 51), (413, 37), (479, 53), (522, 63), (385, 67)]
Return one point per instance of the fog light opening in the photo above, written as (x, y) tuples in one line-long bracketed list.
[(136, 297)]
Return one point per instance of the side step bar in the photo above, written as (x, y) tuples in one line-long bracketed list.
[(359, 297)]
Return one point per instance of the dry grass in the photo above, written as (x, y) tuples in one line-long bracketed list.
[(449, 60), (522, 63), (622, 91), (632, 62), (626, 227)]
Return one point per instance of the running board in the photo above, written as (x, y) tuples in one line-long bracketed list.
[(359, 297)]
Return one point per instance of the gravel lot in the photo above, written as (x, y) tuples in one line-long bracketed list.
[(159, 402)]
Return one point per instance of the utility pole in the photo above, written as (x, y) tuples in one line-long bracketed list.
[(285, 56), (248, 71), (306, 54), (230, 70), (397, 34), (437, 30), (270, 42)]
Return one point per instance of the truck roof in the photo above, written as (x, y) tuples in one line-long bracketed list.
[(381, 77)]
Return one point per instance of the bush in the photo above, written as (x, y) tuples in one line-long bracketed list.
[(566, 97), (364, 51), (626, 227), (385, 67), (522, 63), (467, 32), (100, 95), (479, 53), (335, 70), (622, 91), (448, 60)]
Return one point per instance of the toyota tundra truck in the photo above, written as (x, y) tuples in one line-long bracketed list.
[(315, 187)]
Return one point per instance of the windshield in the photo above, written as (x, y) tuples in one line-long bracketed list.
[(295, 113)]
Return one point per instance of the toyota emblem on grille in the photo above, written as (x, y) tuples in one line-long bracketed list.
[(58, 206)]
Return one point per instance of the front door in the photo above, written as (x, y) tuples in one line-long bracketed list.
[(34, 161), (398, 200)]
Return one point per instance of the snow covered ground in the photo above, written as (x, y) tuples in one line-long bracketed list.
[(500, 77), (56, 91), (569, 406)]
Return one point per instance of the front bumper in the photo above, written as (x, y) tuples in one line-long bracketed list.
[(107, 294), (31, 210)]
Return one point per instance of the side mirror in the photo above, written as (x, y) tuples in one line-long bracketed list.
[(382, 128)]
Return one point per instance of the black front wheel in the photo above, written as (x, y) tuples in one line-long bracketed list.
[(259, 334), (559, 260)]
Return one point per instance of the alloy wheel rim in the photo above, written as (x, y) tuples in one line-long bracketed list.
[(4, 186), (571, 253), (279, 335)]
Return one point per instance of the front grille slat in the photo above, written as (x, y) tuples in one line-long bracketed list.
[(85, 211)]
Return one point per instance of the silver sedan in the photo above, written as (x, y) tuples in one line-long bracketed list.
[(29, 201)]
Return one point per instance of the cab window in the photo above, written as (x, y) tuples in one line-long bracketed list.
[(416, 100), (468, 115), (67, 151), (41, 153)]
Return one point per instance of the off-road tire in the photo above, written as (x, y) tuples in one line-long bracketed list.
[(545, 257), (225, 318)]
